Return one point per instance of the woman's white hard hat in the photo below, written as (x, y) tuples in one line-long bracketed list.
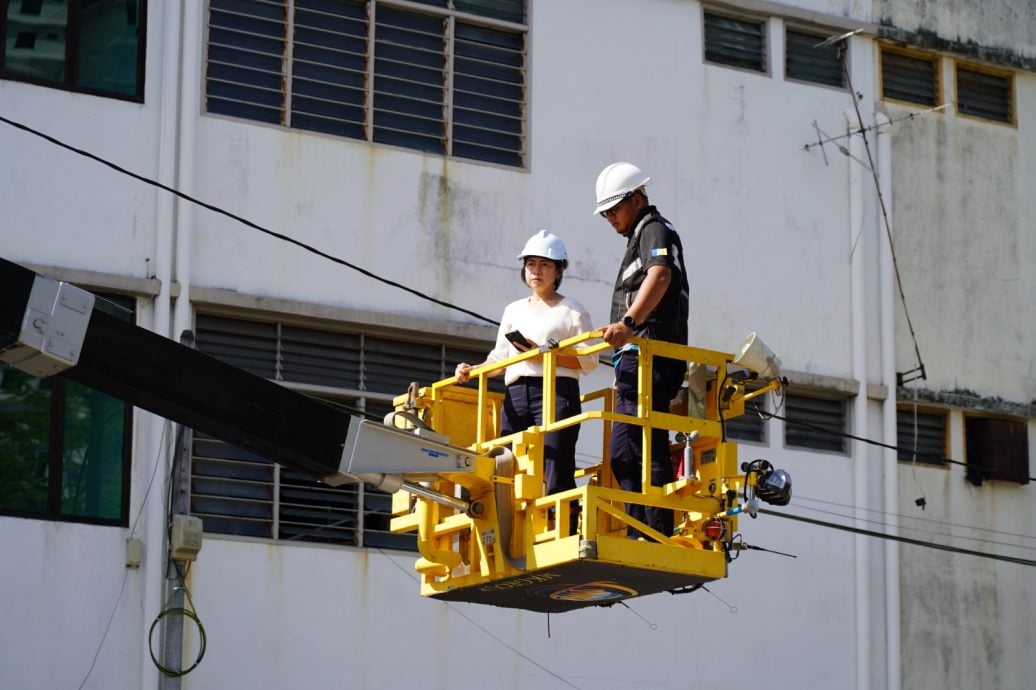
[(546, 244), (616, 182)]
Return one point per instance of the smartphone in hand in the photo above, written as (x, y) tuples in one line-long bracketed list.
[(518, 340)]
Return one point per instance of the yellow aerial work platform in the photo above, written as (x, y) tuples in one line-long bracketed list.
[(489, 535)]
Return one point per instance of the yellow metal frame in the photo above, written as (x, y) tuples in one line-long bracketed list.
[(473, 552)]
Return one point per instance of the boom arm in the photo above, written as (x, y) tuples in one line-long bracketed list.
[(51, 327)]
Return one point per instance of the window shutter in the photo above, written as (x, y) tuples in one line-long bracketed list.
[(984, 95), (806, 62), (447, 78), (735, 42), (246, 59), (232, 490), (996, 449), (323, 358), (816, 423), (409, 80), (908, 78), (248, 345), (390, 365), (930, 439), (488, 85), (236, 492), (311, 511), (329, 67), (749, 426), (508, 10)]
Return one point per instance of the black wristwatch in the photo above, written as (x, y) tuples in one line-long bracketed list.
[(629, 323)]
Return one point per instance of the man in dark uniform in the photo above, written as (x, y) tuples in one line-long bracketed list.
[(650, 301)]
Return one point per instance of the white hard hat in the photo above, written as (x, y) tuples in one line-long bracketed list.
[(616, 182), (546, 244)]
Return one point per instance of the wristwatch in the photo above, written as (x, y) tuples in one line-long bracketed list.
[(629, 323)]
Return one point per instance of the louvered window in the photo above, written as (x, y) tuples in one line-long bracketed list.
[(750, 426), (984, 95), (817, 423), (237, 492), (921, 436), (735, 42), (909, 78), (448, 78), (806, 62)]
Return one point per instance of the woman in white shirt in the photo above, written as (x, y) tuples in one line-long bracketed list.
[(545, 314)]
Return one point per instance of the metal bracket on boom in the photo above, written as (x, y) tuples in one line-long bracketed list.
[(395, 459), (52, 330)]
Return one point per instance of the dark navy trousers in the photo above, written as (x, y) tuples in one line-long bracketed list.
[(523, 407), (627, 447)]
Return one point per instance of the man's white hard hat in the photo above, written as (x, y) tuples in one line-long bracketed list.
[(546, 244), (616, 182)]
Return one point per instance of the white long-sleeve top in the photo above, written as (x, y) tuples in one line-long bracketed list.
[(539, 322)]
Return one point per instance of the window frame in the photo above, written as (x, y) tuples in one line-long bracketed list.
[(365, 127), (820, 36), (977, 473), (932, 58), (72, 62), (762, 21), (356, 500), (752, 420), (923, 459), (56, 447), (1007, 75), (845, 448)]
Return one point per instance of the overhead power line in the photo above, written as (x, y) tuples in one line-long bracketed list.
[(905, 540), (244, 221), (880, 444)]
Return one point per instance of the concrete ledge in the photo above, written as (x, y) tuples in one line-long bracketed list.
[(100, 281), (967, 400), (794, 14), (230, 303), (818, 384)]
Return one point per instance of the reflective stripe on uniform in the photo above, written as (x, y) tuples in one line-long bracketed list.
[(631, 269)]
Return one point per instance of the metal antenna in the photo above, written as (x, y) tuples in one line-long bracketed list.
[(840, 41), (831, 40)]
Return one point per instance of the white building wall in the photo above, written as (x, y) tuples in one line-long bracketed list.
[(768, 229)]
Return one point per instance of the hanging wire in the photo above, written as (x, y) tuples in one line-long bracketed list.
[(125, 574), (189, 613), (905, 540), (822, 138), (882, 523), (835, 432), (842, 46), (485, 630), (923, 500), (915, 518)]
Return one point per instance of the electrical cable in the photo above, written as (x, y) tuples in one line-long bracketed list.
[(899, 449), (842, 45), (189, 613), (923, 500), (881, 523), (126, 570), (905, 540), (485, 630), (800, 497), (243, 221)]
